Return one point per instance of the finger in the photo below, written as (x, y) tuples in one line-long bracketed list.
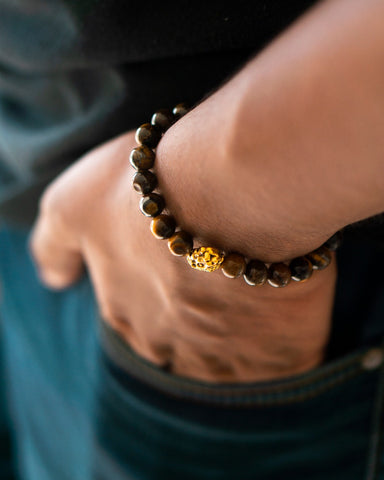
[(57, 258)]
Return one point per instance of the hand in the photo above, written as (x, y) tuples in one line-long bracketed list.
[(198, 325)]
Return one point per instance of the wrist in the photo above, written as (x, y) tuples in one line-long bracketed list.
[(221, 201), (192, 166)]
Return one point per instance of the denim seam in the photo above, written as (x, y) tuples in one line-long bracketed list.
[(226, 398), (281, 392)]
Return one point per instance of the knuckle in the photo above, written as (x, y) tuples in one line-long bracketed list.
[(51, 205), (54, 280), (55, 205), (54, 223)]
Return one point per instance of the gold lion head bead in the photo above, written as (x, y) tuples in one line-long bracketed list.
[(205, 259)]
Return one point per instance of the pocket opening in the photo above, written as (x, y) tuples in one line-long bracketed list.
[(122, 360)]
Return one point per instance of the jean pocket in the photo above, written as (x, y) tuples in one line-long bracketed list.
[(288, 390), (323, 424)]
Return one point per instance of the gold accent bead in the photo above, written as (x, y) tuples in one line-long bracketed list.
[(205, 259)]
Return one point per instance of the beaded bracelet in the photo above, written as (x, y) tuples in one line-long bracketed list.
[(180, 243)]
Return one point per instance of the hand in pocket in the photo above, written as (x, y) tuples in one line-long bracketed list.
[(199, 325)]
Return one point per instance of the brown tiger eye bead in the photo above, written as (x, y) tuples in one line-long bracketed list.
[(256, 273), (152, 205), (180, 110), (144, 182), (148, 135), (181, 243), (142, 158), (279, 275), (163, 226), (320, 258), (334, 242), (233, 265), (301, 269), (163, 119)]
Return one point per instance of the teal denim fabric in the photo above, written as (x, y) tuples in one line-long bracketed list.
[(6, 463), (84, 406)]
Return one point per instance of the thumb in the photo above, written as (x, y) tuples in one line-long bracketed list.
[(56, 253)]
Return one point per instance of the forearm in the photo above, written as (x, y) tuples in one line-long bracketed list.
[(312, 106), (301, 125)]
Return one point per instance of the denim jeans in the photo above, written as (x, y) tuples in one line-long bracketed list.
[(84, 406)]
